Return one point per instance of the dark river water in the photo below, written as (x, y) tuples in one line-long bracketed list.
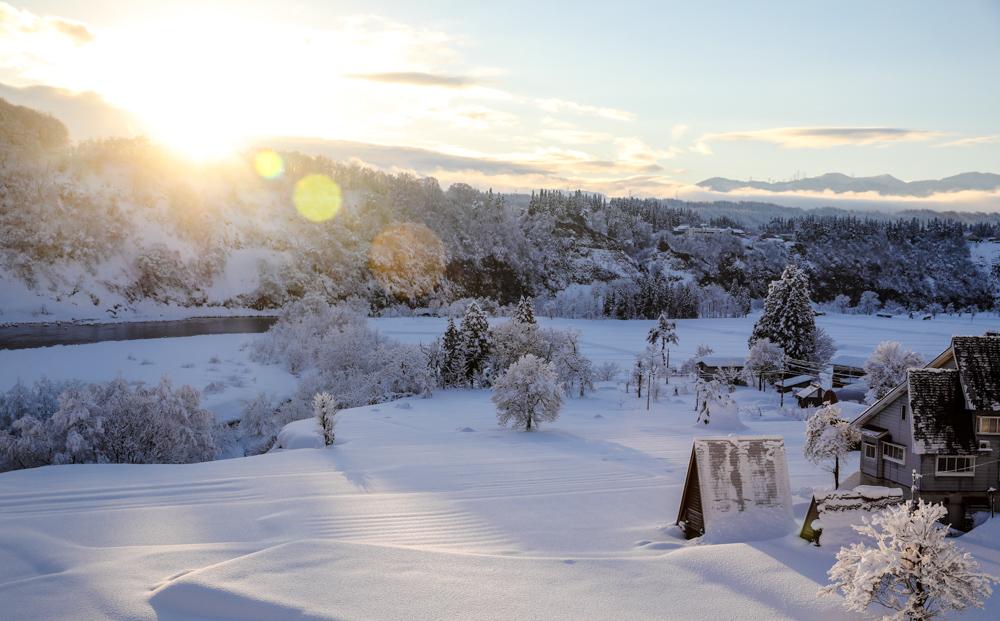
[(23, 336)]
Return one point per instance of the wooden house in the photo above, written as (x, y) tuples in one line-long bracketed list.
[(840, 509), (730, 477), (944, 423), (710, 367), (797, 382), (813, 396), (847, 370)]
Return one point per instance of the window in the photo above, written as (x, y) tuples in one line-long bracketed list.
[(956, 466), (989, 424), (893, 452), (870, 451), (903, 410), (985, 446)]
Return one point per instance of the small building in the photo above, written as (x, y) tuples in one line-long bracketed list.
[(847, 370), (710, 367), (796, 382), (813, 396), (731, 477), (840, 509), (855, 392)]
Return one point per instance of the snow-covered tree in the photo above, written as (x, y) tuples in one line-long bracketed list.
[(475, 333), (453, 365), (841, 303), (527, 393), (788, 319), (325, 410), (823, 348), (829, 438), (913, 570), (664, 334), (886, 368), (716, 407), (525, 312), (869, 303), (765, 359)]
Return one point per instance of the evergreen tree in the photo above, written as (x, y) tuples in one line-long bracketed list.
[(325, 410), (525, 312), (475, 333), (664, 332), (788, 319), (453, 367)]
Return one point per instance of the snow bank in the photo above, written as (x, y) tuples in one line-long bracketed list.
[(300, 434)]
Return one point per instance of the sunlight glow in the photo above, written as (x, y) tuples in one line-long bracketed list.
[(317, 198)]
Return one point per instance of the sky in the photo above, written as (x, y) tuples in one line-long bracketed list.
[(642, 98)]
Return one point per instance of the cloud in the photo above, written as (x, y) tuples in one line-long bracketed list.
[(561, 105), (86, 115), (819, 137), (677, 131), (972, 141), (417, 78), (15, 21)]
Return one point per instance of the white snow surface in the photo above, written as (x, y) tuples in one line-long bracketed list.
[(423, 508)]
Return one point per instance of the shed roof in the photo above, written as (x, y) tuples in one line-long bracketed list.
[(724, 361), (797, 380), (978, 360), (940, 422)]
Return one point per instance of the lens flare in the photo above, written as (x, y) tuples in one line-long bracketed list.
[(317, 197), (407, 260), (268, 164)]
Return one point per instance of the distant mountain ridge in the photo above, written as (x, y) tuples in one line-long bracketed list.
[(886, 185)]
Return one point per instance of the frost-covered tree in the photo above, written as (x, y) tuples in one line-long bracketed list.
[(886, 368), (664, 334), (260, 417), (788, 319), (913, 570), (841, 303), (829, 438), (716, 407), (475, 333), (453, 365), (765, 359), (325, 410), (869, 303), (525, 312), (823, 348), (527, 393)]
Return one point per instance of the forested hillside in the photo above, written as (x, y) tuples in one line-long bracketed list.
[(99, 229)]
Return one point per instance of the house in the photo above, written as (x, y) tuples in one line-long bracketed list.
[(855, 392), (710, 367), (796, 382), (813, 396), (838, 510), (847, 370), (944, 423), (729, 478)]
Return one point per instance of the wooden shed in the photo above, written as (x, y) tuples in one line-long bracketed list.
[(813, 396), (731, 477), (840, 509)]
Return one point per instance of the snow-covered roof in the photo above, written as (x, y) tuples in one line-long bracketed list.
[(797, 380), (848, 361), (841, 509), (724, 361), (812, 390), (941, 424), (737, 474), (978, 361)]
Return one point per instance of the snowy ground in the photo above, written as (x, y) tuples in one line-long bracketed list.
[(423, 509)]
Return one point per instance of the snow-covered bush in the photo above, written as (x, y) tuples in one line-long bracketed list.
[(607, 372), (333, 350), (868, 303), (913, 570), (325, 411), (716, 408), (886, 368), (527, 393), (830, 438), (111, 422)]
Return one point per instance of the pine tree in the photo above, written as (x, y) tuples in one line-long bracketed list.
[(663, 332), (525, 312), (475, 333), (453, 367), (788, 319)]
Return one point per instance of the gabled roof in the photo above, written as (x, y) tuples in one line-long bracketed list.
[(740, 473), (978, 360), (797, 380), (940, 421)]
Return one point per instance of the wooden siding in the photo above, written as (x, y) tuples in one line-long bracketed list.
[(890, 418), (691, 516)]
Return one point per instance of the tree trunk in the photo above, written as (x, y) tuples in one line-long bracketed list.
[(649, 389), (666, 367), (528, 427), (836, 472)]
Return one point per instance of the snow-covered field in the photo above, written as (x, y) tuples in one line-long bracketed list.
[(423, 509)]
